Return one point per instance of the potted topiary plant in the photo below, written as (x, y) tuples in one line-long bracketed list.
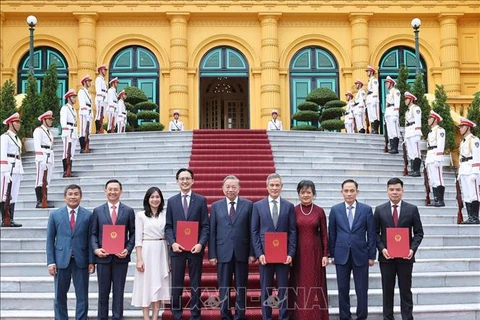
[(331, 121), (309, 114)]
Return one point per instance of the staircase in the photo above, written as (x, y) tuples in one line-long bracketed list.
[(446, 276)]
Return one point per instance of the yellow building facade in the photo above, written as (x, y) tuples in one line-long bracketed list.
[(228, 64)]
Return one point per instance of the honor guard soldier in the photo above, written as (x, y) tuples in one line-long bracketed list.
[(469, 171), (112, 104), (434, 160), (100, 97), (392, 111), (175, 124), (11, 167), (44, 159), (413, 133), (85, 111), (121, 112), (274, 123), (359, 106), (68, 120), (349, 118), (372, 100)]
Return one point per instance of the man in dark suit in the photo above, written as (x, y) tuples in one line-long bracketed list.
[(397, 213), (352, 243), (112, 268), (229, 246), (68, 252), (273, 214), (186, 206)]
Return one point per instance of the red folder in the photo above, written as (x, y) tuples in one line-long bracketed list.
[(275, 247), (187, 234), (398, 242), (113, 239)]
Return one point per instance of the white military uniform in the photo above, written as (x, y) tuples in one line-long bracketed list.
[(434, 159), (175, 125), (112, 104), (372, 99), (11, 147), (274, 125), (469, 170), (349, 118), (121, 116), (392, 111), (359, 108), (100, 96), (68, 120), (44, 157), (413, 130), (85, 111)]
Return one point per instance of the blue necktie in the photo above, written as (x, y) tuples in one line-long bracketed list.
[(185, 206), (350, 217), (275, 213)]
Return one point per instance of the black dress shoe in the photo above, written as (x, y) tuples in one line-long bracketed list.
[(14, 224)]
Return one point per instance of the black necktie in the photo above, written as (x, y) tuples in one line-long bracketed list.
[(232, 210)]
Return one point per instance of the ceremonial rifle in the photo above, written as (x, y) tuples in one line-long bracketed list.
[(405, 157), (68, 173), (8, 197), (459, 199), (385, 134), (426, 184), (44, 184), (87, 137)]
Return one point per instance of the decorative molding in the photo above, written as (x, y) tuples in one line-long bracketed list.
[(44, 23), (397, 23), (469, 23), (133, 23), (224, 23), (314, 23)]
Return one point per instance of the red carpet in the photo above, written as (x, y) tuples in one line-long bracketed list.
[(215, 154)]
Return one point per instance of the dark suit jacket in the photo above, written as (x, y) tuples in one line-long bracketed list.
[(62, 243), (197, 211), (409, 218), (101, 216), (360, 240), (262, 222), (227, 237)]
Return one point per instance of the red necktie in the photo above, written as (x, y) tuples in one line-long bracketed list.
[(114, 215), (72, 219), (395, 215)]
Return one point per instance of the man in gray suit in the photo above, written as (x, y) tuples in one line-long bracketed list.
[(68, 252), (230, 247)]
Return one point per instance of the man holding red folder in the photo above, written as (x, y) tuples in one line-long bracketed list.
[(274, 215), (187, 206), (112, 221), (391, 215)]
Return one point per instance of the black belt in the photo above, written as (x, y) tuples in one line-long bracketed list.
[(88, 105), (11, 155), (70, 123), (104, 90), (369, 92), (390, 105), (45, 147), (465, 159), (408, 124), (432, 147)]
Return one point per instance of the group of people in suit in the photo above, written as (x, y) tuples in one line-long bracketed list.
[(235, 233)]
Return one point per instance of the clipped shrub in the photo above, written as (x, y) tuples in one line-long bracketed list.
[(151, 126), (321, 96), (474, 113), (335, 104), (441, 107), (30, 109), (132, 119), (305, 115), (146, 105), (308, 106), (402, 86), (8, 105), (49, 98), (418, 90), (135, 95), (333, 125), (305, 127), (130, 107), (332, 113), (147, 115)]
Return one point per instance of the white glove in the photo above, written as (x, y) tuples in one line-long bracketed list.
[(7, 177), (473, 178)]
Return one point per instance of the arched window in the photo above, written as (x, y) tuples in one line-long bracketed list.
[(137, 66), (311, 68), (43, 57)]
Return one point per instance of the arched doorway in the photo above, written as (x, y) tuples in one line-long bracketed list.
[(43, 57), (224, 90), (311, 68), (137, 66)]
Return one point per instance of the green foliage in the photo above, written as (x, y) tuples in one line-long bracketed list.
[(305, 127), (332, 113), (474, 113), (135, 95), (332, 125), (307, 106), (418, 91), (403, 86), (147, 115), (130, 107), (335, 104), (305, 115), (146, 105), (151, 126), (132, 119), (321, 96), (30, 109), (441, 107), (48, 97), (8, 105)]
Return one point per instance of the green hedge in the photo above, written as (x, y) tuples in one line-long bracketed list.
[(335, 104), (308, 106), (132, 119), (305, 127), (332, 113), (148, 115), (151, 126), (305, 115), (332, 125), (321, 96), (146, 105), (130, 107), (135, 95)]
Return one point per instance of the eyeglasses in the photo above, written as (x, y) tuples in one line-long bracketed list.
[(185, 179)]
